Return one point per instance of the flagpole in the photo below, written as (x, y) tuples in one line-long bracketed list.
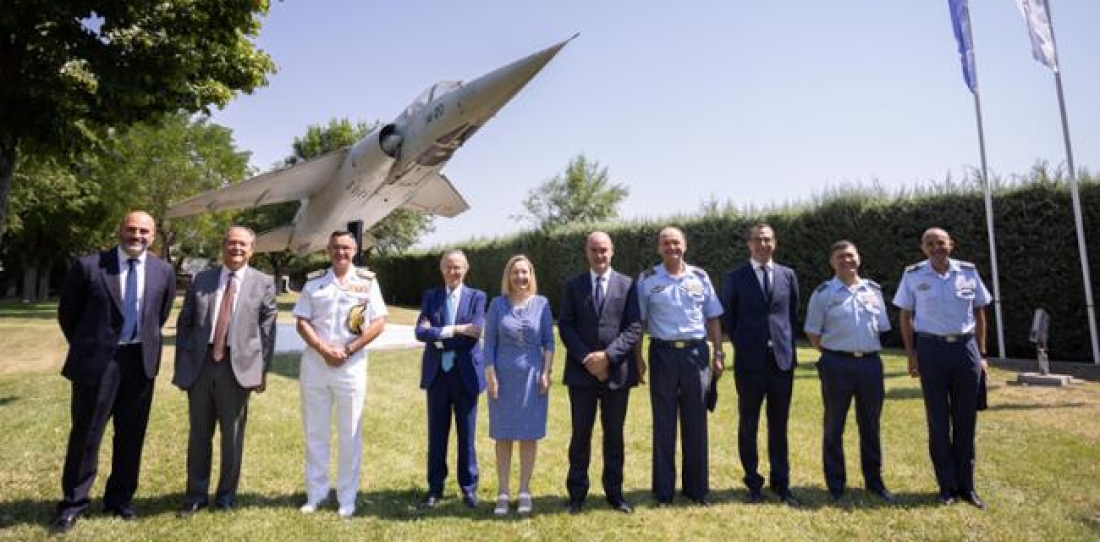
[(987, 190), (1078, 222)]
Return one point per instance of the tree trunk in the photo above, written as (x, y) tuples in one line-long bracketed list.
[(44, 283), (30, 282), (8, 154)]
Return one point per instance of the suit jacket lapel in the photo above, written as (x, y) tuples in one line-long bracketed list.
[(111, 275), (463, 303)]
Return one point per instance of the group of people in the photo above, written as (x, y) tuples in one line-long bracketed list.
[(602, 319), (115, 302)]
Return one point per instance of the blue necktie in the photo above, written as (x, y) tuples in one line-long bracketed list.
[(449, 320), (597, 294), (767, 284), (130, 303)]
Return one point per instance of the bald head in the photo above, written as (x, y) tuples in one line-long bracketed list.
[(136, 232), (599, 250)]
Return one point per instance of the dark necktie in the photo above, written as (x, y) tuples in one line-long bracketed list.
[(597, 294), (225, 314), (130, 303), (767, 283), (449, 320)]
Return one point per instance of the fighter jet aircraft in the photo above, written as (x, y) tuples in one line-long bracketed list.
[(395, 166)]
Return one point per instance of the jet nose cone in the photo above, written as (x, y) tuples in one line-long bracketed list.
[(488, 93)]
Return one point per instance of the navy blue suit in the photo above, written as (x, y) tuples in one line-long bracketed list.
[(108, 379), (614, 330), (453, 392), (762, 333)]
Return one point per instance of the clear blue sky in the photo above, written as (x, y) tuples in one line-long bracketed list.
[(748, 101)]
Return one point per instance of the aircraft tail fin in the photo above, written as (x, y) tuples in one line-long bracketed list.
[(437, 196)]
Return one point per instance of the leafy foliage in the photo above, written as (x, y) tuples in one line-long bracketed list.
[(584, 193), (72, 69)]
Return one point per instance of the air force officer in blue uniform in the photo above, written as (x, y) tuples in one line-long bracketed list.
[(843, 320), (942, 321), (452, 373)]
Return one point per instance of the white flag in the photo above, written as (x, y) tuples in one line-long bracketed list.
[(1037, 15)]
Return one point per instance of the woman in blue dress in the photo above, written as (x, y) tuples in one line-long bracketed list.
[(519, 353)]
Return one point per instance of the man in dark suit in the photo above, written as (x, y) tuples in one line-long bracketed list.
[(225, 339), (760, 299), (599, 324), (452, 373), (112, 308)]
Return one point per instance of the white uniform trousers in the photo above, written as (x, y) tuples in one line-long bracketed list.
[(323, 387)]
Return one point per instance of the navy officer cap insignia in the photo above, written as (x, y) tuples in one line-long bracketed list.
[(356, 316)]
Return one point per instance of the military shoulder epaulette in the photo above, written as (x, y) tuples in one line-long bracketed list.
[(316, 274), (364, 273), (649, 273), (699, 272), (872, 284), (914, 267), (822, 287), (965, 265)]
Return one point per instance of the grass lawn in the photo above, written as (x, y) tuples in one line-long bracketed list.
[(1038, 464)]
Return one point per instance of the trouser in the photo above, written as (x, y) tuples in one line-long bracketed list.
[(216, 398), (679, 379), (447, 397), (612, 405), (753, 388), (842, 379), (125, 395), (324, 388), (950, 375)]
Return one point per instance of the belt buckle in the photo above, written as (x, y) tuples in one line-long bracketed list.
[(679, 345), (858, 354), (951, 338)]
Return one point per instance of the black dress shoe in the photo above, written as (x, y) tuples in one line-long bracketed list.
[(189, 508), (64, 523), (469, 499), (885, 495), (972, 498), (623, 506), (429, 502), (575, 506), (755, 497), (124, 512), (787, 498)]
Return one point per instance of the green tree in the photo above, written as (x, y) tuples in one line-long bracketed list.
[(72, 69), (151, 165), (584, 193)]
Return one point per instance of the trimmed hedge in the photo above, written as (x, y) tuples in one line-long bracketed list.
[(1036, 246)]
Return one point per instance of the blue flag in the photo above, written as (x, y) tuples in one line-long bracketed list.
[(960, 23)]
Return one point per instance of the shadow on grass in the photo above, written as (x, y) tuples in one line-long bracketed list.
[(1020, 406), (8, 399), (286, 365)]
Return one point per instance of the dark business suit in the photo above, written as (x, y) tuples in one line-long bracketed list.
[(218, 391), (109, 379), (615, 330), (453, 392), (762, 333)]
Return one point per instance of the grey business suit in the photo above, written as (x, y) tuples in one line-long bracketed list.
[(219, 391)]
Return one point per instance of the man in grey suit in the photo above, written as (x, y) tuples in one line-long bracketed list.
[(599, 324), (225, 338)]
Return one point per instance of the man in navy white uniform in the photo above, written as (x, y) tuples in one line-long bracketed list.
[(844, 318), (942, 302), (339, 313), (680, 310)]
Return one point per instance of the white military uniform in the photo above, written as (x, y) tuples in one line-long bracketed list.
[(326, 304)]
